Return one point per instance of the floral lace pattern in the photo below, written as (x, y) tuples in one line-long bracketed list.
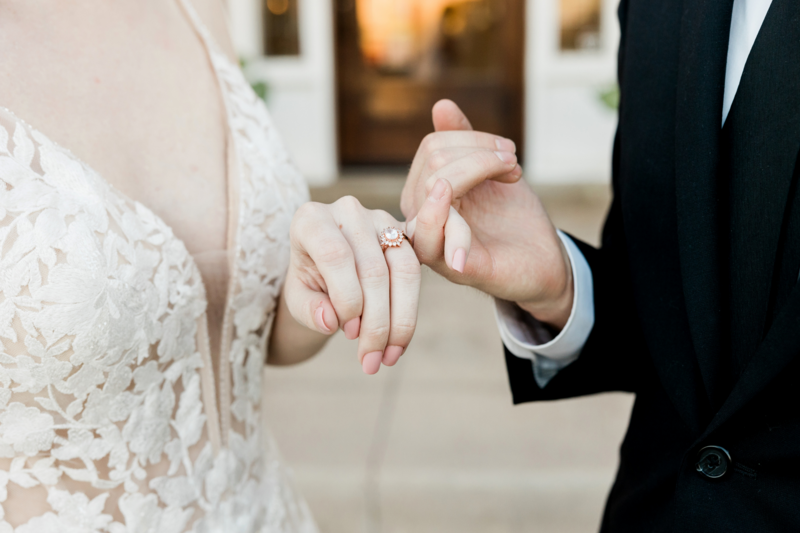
[(108, 411)]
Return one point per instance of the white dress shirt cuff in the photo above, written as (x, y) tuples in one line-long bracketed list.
[(526, 337)]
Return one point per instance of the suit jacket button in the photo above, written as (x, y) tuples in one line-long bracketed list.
[(713, 462)]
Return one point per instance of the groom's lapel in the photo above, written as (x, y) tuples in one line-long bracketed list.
[(705, 26), (768, 104)]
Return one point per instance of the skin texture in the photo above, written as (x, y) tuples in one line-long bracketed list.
[(514, 252), (143, 109)]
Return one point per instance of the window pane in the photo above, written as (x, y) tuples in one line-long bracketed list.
[(580, 24), (281, 33)]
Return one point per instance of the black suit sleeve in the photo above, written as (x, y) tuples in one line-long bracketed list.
[(612, 358), (608, 361)]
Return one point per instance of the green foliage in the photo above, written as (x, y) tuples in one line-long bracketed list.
[(259, 87), (610, 97)]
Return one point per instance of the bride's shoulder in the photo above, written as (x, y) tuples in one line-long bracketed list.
[(214, 14)]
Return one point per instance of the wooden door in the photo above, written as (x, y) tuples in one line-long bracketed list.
[(396, 58)]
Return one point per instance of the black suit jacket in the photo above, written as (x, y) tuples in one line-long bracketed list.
[(697, 275)]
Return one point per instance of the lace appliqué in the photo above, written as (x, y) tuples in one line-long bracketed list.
[(103, 419)]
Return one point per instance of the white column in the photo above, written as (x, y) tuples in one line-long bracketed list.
[(568, 130), (301, 95)]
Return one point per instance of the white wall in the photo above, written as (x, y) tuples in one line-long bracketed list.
[(301, 89), (569, 131)]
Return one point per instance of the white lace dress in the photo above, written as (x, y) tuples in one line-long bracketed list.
[(112, 417)]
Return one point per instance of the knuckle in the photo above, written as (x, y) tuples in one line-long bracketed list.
[(437, 160), (429, 142), (404, 328), (349, 303), (429, 184), (310, 209), (305, 224), (376, 333), (373, 270), (406, 268), (486, 161), (348, 202), (483, 139), (334, 254), (384, 219), (304, 214)]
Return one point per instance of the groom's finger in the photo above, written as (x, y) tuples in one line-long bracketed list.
[(453, 129), (442, 140), (466, 173), (442, 158), (447, 116), (427, 229), (435, 151)]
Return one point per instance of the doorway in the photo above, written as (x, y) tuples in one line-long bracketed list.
[(396, 58)]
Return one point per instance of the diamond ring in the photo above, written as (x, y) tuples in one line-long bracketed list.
[(391, 238)]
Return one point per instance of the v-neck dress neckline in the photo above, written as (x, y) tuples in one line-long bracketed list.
[(133, 389), (216, 384)]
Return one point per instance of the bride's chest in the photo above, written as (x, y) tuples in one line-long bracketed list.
[(144, 110)]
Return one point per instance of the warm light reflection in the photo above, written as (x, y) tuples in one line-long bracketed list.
[(278, 7), (580, 24), (395, 32)]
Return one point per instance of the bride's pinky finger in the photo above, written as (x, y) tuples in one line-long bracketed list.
[(457, 241), (311, 308)]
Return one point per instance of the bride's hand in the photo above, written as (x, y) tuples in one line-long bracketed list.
[(339, 277)]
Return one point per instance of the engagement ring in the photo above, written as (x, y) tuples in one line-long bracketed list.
[(391, 238)]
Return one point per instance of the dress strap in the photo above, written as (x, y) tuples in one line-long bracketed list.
[(208, 40)]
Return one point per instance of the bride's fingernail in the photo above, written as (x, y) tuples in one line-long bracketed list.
[(438, 190), (460, 260), (506, 145), (352, 328), (507, 157), (392, 355), (319, 318), (372, 362)]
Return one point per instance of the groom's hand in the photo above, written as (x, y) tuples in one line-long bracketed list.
[(483, 229)]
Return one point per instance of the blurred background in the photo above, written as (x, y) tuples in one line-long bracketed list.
[(434, 444)]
